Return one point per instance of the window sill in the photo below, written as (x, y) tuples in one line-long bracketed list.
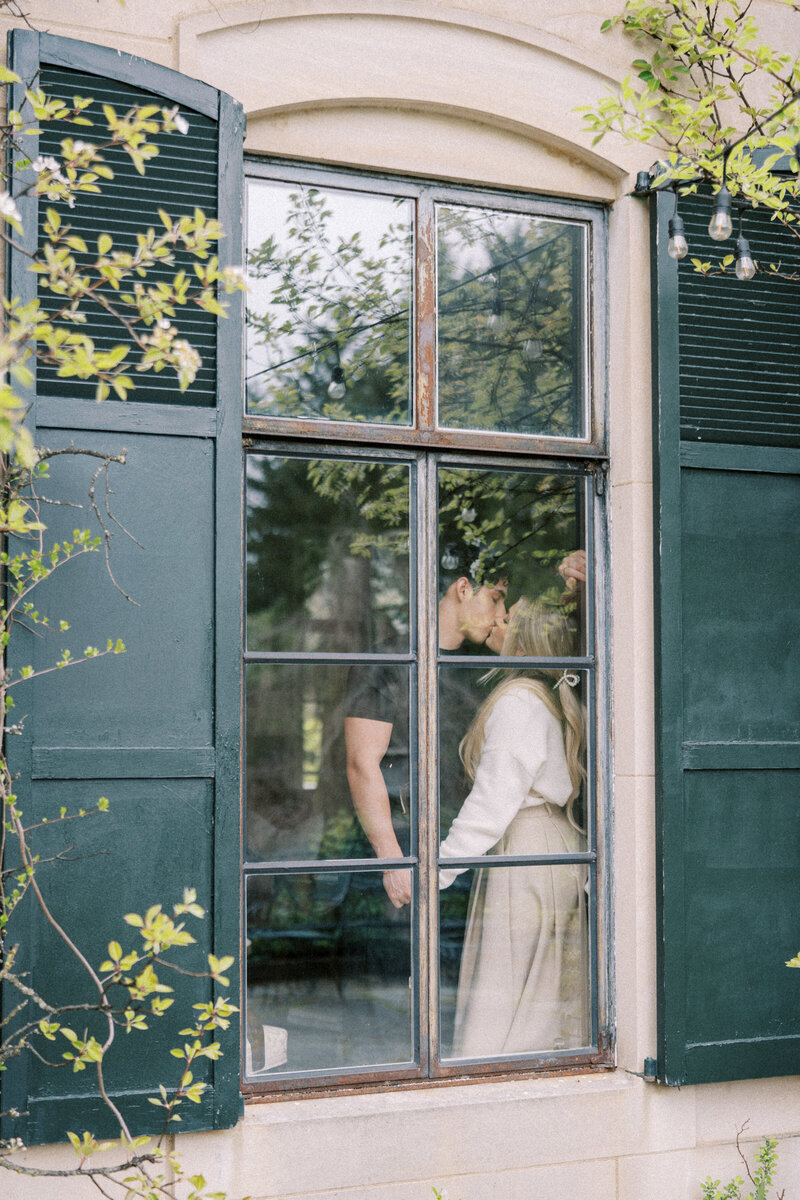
[(421, 1093)]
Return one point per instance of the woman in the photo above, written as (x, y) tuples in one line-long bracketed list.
[(523, 982)]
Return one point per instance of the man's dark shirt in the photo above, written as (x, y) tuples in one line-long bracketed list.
[(380, 692)]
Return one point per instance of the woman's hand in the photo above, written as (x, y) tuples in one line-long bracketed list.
[(572, 569)]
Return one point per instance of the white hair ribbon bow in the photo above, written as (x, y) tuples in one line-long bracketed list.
[(567, 677)]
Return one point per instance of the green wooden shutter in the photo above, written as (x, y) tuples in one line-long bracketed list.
[(727, 537), (155, 730)]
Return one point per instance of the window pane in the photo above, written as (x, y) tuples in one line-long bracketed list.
[(328, 974), (514, 952), (509, 739), (327, 555), (330, 304), (299, 804), (512, 349), (506, 533)]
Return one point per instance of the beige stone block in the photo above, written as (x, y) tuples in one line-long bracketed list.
[(128, 39), (657, 1176), (770, 1106), (430, 144), (398, 55), (723, 1163), (51, 1158), (633, 880), (632, 628), (136, 19), (630, 384), (577, 1181), (376, 1140)]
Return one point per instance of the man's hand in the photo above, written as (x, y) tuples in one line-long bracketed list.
[(572, 569), (398, 887)]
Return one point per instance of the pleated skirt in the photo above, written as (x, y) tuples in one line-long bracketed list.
[(524, 980)]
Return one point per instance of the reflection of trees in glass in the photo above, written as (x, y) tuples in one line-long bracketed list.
[(327, 554), (327, 570), (287, 818), (526, 522), (510, 318), (330, 313), (329, 319), (294, 921)]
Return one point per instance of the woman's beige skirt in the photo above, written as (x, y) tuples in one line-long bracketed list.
[(524, 980)]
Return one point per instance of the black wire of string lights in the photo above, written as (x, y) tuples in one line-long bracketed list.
[(720, 226)]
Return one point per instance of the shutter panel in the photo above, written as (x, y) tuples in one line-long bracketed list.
[(157, 729), (739, 351), (727, 539)]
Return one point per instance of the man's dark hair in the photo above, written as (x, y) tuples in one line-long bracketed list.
[(481, 563)]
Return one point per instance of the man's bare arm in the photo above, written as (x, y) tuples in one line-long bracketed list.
[(366, 742)]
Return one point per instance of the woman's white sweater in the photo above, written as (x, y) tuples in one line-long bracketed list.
[(523, 763)]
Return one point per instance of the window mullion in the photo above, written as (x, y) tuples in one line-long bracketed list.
[(425, 324), (427, 773)]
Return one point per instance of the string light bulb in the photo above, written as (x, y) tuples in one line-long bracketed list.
[(720, 227), (497, 318), (533, 348), (745, 267), (337, 388), (678, 247)]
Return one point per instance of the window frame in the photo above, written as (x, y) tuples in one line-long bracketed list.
[(420, 444), (424, 430)]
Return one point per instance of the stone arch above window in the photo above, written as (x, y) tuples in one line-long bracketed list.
[(340, 73)]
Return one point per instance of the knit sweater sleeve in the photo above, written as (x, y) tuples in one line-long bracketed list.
[(513, 757)]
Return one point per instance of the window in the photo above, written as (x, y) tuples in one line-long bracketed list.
[(422, 455)]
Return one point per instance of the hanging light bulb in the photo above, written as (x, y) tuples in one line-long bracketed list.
[(497, 317), (720, 227), (678, 246), (745, 267), (533, 348), (337, 389)]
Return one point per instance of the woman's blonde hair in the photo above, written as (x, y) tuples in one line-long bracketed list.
[(537, 632)]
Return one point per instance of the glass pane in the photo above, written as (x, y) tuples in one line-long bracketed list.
[(330, 304), (504, 535), (327, 555), (299, 803), (509, 740), (514, 953), (512, 347), (328, 974)]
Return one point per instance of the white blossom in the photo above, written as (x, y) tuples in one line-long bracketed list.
[(181, 124), (46, 164), (8, 207), (186, 356)]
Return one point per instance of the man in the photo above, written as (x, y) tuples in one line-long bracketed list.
[(472, 604)]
